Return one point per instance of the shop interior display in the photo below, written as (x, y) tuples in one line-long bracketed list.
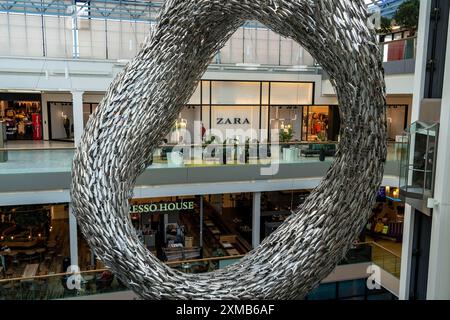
[(169, 235), (33, 241), (117, 144), (22, 118)]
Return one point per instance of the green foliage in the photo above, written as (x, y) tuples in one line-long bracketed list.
[(210, 140), (321, 136), (386, 26), (286, 135), (407, 15)]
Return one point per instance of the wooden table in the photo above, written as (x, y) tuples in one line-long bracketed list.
[(8, 253), (20, 244), (227, 245), (233, 252), (51, 244), (30, 270)]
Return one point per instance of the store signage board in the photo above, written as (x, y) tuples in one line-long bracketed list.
[(162, 207), (232, 121)]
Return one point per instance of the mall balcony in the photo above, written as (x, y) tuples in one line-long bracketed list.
[(55, 66)]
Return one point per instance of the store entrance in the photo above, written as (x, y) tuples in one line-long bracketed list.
[(397, 121), (60, 118), (22, 114)]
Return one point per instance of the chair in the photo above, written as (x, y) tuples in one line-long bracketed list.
[(103, 281), (15, 259), (30, 255), (40, 251)]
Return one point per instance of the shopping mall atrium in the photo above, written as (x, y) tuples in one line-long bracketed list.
[(260, 131)]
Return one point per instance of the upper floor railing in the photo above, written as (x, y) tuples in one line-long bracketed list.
[(401, 49), (171, 155), (76, 283)]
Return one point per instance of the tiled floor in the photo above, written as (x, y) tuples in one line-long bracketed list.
[(32, 144)]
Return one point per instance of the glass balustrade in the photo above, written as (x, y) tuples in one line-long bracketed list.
[(401, 49), (25, 160), (84, 283), (375, 253), (101, 281)]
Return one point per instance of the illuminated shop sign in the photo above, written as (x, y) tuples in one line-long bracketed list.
[(162, 207), (232, 121)]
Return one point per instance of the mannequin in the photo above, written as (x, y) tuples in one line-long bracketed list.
[(66, 124)]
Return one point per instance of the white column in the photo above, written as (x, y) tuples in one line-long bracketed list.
[(419, 88), (73, 237), (201, 222), (407, 243), (439, 265), (75, 46), (78, 123), (256, 219), (421, 57), (45, 116)]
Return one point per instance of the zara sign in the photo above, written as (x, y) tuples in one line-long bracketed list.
[(162, 207), (232, 121)]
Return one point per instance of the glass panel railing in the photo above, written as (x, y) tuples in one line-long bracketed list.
[(84, 283), (375, 253), (101, 281), (60, 286), (386, 259), (418, 162), (204, 265), (401, 49), (26, 160)]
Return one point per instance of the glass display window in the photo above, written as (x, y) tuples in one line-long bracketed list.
[(88, 110), (34, 240), (287, 120), (276, 206), (169, 227), (397, 120), (23, 119), (315, 123), (61, 121)]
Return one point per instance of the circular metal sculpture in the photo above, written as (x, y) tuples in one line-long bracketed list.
[(143, 102)]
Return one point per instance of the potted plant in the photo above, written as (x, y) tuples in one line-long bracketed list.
[(286, 135)]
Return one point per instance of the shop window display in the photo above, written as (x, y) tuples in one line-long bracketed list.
[(88, 109), (169, 227), (34, 240), (61, 121), (397, 121), (386, 221), (276, 206), (22, 118), (315, 123), (227, 224), (287, 119)]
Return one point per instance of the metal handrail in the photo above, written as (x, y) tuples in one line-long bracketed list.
[(303, 143), (399, 40), (188, 145), (379, 246), (104, 269)]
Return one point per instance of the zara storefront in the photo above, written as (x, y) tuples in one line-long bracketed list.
[(258, 109)]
